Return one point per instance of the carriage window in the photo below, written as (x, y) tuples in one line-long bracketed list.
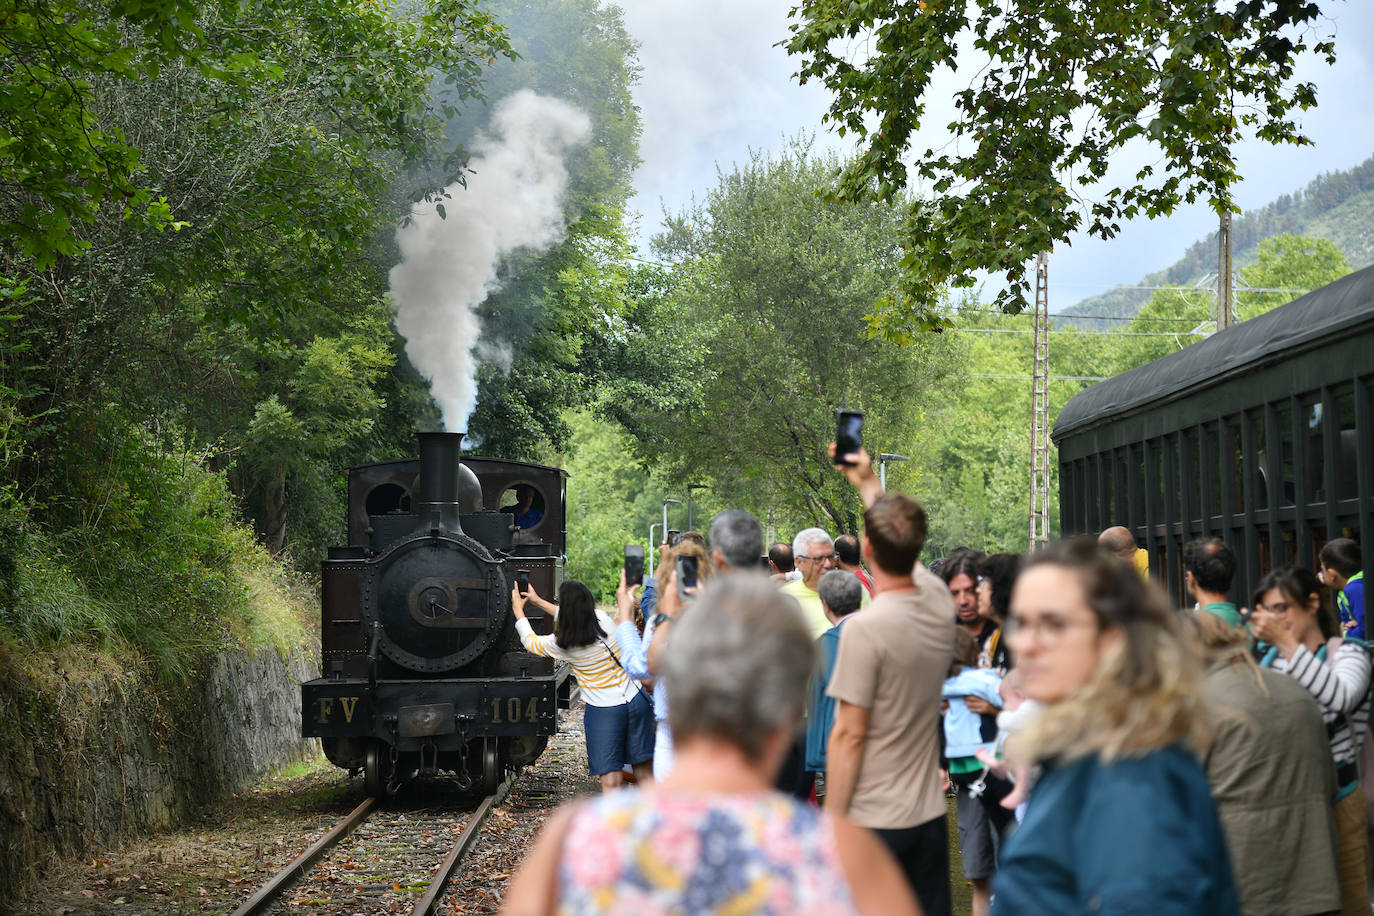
[(1288, 492), (1211, 469), (1106, 482), (1154, 479), (1313, 454), (1190, 484), (388, 499), (1259, 472), (1347, 483), (1290, 547), (1172, 479), (526, 503), (1234, 467)]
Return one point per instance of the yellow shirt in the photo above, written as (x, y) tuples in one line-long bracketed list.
[(810, 601)]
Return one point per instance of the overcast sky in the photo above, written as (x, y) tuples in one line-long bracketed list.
[(714, 85)]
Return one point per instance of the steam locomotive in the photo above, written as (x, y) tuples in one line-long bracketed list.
[(423, 673)]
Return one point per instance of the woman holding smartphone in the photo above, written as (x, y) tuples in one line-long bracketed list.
[(618, 720)]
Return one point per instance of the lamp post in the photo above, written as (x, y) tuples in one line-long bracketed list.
[(666, 501), (690, 488), (883, 459), (652, 542)]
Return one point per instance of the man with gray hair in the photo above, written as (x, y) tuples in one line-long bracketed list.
[(814, 554), (736, 541)]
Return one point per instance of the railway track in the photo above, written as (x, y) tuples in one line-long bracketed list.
[(387, 857)]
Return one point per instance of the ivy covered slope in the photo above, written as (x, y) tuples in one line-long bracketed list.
[(192, 312)]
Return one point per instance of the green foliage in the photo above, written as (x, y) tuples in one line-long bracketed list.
[(764, 317), (1174, 319), (142, 553), (603, 483), (973, 465), (155, 383), (1058, 91), (1337, 206), (65, 159), (555, 312)]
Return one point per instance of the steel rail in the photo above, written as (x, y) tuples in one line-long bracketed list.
[(466, 840), (269, 891)]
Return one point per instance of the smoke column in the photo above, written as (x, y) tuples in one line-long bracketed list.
[(448, 265)]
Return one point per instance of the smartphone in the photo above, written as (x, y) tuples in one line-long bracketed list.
[(674, 537), (634, 564), (849, 434), (522, 581), (686, 575)]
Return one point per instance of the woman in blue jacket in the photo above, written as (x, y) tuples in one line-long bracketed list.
[(1120, 819)]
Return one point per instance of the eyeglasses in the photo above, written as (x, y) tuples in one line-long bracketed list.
[(1048, 629), (832, 557)]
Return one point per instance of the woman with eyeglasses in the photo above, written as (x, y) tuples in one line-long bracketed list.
[(1120, 819), (1304, 641)]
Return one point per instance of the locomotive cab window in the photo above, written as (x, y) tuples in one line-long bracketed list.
[(526, 503), (388, 499)]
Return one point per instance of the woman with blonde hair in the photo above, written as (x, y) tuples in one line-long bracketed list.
[(1120, 819)]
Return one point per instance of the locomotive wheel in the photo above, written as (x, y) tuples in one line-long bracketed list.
[(374, 780), (491, 766)]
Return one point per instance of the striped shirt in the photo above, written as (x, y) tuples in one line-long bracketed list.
[(603, 681), (1341, 688)]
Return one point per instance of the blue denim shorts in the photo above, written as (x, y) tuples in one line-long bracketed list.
[(619, 735)]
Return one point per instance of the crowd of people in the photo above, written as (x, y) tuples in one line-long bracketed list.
[(806, 721)]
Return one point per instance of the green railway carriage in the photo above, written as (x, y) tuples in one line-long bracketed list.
[(1262, 435)]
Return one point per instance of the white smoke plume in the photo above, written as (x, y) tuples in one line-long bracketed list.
[(448, 265)]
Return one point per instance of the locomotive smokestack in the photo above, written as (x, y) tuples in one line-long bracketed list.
[(438, 503)]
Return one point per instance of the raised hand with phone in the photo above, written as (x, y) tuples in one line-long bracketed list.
[(522, 593), (858, 470)]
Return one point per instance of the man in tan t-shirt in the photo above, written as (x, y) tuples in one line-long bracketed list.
[(883, 757)]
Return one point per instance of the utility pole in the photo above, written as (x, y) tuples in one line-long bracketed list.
[(1224, 304), (690, 488), (1040, 410)]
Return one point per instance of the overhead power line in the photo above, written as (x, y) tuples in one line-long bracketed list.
[(1053, 378), (1089, 332)]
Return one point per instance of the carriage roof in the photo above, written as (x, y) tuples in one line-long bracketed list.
[(1332, 312)]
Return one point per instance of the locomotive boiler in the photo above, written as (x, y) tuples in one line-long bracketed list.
[(423, 673)]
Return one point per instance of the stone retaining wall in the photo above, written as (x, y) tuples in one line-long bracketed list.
[(90, 754)]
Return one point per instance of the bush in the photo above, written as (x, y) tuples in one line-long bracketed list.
[(143, 550)]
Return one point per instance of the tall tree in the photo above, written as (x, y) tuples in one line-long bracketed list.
[(551, 309), (272, 134), (1057, 91), (771, 283)]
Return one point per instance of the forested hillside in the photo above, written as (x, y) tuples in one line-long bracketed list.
[(200, 205), (1338, 207)]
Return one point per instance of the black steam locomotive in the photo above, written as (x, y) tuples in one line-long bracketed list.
[(423, 673)]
